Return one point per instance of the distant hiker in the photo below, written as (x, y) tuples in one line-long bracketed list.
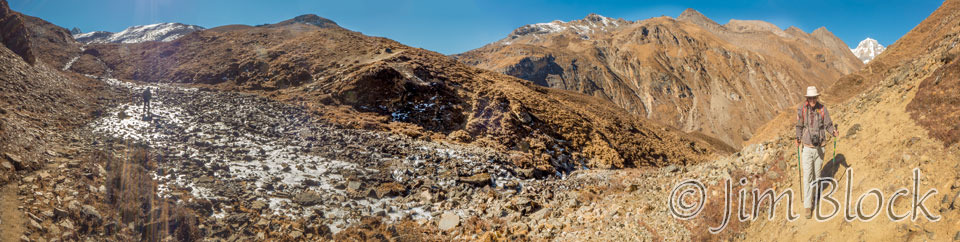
[(146, 102), (813, 123)]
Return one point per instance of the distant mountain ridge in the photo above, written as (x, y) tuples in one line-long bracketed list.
[(688, 72), (161, 32)]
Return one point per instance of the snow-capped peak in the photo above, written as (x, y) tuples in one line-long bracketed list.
[(868, 49), (163, 32), (588, 25)]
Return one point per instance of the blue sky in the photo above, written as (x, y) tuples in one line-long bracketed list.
[(452, 26)]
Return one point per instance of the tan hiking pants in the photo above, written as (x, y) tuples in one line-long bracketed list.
[(811, 161)]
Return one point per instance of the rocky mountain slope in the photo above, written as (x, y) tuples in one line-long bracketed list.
[(867, 50), (322, 62), (35, 39), (163, 32), (901, 101), (296, 147), (29, 93), (688, 72), (305, 131)]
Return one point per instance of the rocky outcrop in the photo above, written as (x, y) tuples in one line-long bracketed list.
[(14, 33), (724, 81)]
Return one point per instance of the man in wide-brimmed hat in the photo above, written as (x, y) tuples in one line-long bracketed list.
[(813, 123)]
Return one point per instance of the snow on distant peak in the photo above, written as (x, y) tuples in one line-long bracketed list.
[(868, 49), (588, 25), (163, 32)]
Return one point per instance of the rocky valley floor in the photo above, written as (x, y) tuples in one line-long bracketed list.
[(216, 165)]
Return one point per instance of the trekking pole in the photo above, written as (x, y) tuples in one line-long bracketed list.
[(799, 170)]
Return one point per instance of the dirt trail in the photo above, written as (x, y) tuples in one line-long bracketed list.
[(11, 219), (883, 145)]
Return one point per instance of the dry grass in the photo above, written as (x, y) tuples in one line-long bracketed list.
[(132, 192)]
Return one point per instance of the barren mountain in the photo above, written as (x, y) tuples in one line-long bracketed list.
[(312, 59), (305, 131), (689, 72), (36, 39), (285, 139), (36, 101)]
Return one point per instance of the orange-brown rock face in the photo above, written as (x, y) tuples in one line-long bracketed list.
[(690, 72), (13, 33)]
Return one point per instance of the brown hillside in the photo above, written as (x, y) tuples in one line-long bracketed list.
[(937, 105), (690, 72), (897, 114), (313, 60), (37, 104)]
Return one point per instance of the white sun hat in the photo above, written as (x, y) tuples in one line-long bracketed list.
[(812, 91)]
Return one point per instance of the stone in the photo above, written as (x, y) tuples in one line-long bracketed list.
[(34, 217), (60, 213), (448, 220), (390, 189), (353, 185), (54, 230), (308, 198), (67, 224), (478, 180), (853, 130), (310, 182), (15, 160), (35, 225), (257, 205), (671, 168), (772, 175), (205, 179), (511, 185), (43, 175), (91, 213)]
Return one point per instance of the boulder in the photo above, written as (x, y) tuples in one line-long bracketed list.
[(448, 220), (481, 179), (91, 214), (257, 205), (308, 198), (15, 160)]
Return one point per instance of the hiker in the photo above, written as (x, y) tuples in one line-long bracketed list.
[(146, 102), (813, 123)]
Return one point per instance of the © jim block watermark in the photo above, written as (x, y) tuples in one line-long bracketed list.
[(688, 198)]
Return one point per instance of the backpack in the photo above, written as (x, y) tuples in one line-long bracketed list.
[(816, 137)]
